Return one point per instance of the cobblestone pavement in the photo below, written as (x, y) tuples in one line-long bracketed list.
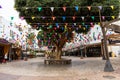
[(80, 69)]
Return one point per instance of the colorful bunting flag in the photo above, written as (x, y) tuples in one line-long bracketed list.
[(100, 7), (52, 9), (12, 18), (76, 8), (75, 24), (94, 36), (103, 17), (98, 36), (64, 8), (64, 17), (73, 17), (92, 17), (39, 8), (22, 18), (53, 18), (33, 17), (83, 18), (113, 17), (112, 7), (89, 8), (43, 17), (0, 6)]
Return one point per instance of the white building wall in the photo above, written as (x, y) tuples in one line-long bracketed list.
[(4, 28)]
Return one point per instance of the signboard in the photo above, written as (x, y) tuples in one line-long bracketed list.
[(113, 41)]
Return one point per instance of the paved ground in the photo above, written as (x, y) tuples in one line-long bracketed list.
[(80, 69)]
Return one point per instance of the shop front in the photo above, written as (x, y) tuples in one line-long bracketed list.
[(93, 50), (114, 45), (4, 49), (15, 52)]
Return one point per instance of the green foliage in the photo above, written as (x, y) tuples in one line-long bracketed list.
[(31, 36), (34, 12)]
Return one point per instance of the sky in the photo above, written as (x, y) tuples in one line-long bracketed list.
[(8, 11)]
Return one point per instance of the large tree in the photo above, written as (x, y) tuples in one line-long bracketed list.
[(59, 19)]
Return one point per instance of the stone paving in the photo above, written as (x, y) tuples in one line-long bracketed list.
[(80, 69)]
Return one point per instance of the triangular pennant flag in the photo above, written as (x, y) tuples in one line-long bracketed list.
[(64, 8), (83, 28), (94, 36), (97, 28), (43, 17), (76, 8), (33, 17), (92, 17), (47, 24), (57, 25), (98, 36), (86, 26), (22, 18), (89, 8), (53, 18), (52, 9), (62, 28), (103, 17), (100, 7), (50, 26), (65, 28), (113, 17), (79, 26), (98, 23), (112, 7), (0, 6), (66, 24), (64, 18), (91, 24), (12, 18), (74, 24), (73, 17), (83, 23), (39, 8), (83, 18)]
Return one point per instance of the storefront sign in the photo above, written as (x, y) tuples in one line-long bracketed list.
[(113, 41)]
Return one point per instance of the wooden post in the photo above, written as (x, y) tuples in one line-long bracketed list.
[(108, 66), (85, 50)]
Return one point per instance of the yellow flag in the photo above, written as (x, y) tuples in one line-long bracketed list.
[(33, 17), (98, 23), (112, 7), (83, 28), (113, 17), (65, 28)]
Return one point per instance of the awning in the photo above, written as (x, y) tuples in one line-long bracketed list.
[(4, 42), (115, 26)]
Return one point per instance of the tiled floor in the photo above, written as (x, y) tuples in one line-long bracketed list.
[(80, 69)]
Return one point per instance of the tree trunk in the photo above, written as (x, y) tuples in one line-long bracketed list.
[(108, 65), (58, 53)]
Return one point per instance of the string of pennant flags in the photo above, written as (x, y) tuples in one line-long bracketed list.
[(75, 7), (64, 18), (64, 9)]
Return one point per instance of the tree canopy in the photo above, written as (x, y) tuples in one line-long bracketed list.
[(57, 19)]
